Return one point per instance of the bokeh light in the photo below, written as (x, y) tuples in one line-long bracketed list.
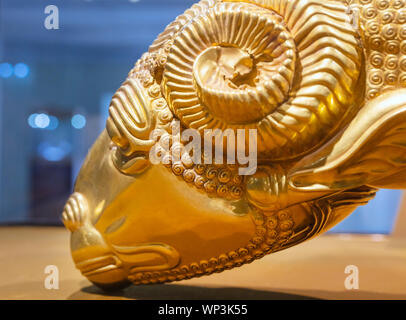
[(42, 121), (21, 70), (6, 70), (54, 152), (53, 123), (78, 121), (31, 120)]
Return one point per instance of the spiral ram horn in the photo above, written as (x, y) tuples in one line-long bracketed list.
[(285, 68)]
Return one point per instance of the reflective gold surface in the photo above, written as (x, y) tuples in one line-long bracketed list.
[(321, 82)]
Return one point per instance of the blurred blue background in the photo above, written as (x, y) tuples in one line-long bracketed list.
[(55, 87)]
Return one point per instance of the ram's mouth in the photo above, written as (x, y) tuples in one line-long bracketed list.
[(98, 265), (129, 165)]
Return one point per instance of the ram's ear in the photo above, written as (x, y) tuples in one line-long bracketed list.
[(131, 119), (370, 151)]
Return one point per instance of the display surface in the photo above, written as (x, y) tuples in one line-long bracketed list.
[(321, 83)]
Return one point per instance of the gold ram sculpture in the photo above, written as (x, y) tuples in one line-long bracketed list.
[(322, 86)]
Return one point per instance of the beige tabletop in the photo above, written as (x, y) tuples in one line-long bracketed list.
[(314, 269)]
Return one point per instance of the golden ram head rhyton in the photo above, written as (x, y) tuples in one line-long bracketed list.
[(320, 83)]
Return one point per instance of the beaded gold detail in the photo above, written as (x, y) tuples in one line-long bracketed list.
[(384, 31)]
